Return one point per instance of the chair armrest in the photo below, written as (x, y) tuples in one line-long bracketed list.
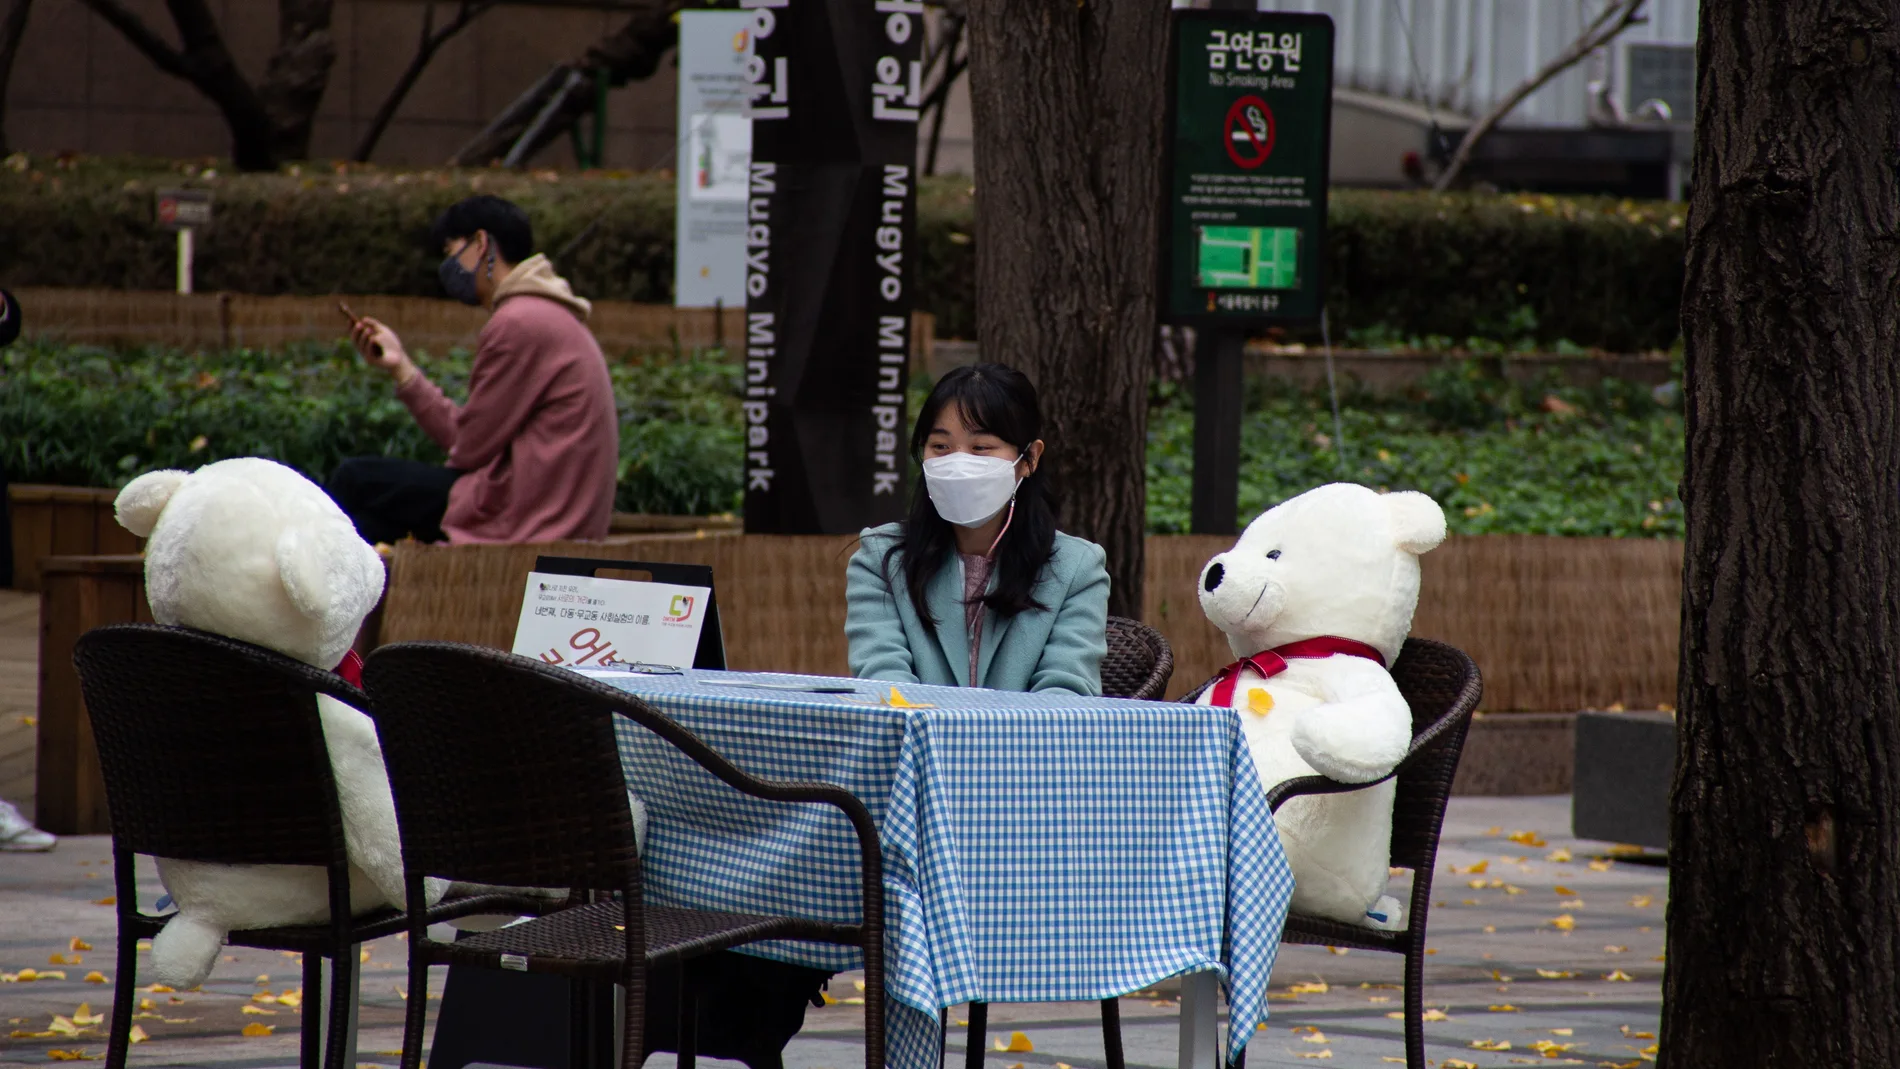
[(1289, 789)]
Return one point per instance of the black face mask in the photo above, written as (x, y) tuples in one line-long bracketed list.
[(458, 281)]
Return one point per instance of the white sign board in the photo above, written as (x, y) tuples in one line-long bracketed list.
[(715, 150), (582, 622)]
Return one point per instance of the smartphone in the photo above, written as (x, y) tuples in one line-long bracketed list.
[(375, 350)]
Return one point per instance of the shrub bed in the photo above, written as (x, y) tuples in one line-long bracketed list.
[(1593, 272), (1502, 458)]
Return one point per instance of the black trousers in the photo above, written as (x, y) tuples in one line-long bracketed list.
[(390, 499)]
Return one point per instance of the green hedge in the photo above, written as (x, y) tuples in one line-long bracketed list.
[(1592, 272), (1535, 459)]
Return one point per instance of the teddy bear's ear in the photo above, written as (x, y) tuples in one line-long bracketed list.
[(1418, 524), (329, 569), (138, 505)]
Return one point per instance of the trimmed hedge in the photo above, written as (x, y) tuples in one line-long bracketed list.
[(1590, 271)]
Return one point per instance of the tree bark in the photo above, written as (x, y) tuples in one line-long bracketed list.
[(12, 31), (270, 122), (1784, 911), (1066, 101), (427, 45)]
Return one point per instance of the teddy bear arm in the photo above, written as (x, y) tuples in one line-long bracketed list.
[(1355, 741)]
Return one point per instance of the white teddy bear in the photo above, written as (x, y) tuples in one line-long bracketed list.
[(254, 551), (1316, 599)]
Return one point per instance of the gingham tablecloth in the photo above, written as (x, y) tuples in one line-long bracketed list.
[(1036, 847)]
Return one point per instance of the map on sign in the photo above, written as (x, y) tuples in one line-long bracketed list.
[(1248, 257)]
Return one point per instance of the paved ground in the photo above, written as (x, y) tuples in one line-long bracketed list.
[(1557, 954)]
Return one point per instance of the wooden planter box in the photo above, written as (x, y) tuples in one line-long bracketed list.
[(62, 521)]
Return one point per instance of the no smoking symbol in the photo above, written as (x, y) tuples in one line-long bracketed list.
[(1249, 132)]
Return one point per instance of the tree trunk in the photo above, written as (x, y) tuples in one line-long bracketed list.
[(297, 75), (1784, 911), (1066, 101), (12, 31)]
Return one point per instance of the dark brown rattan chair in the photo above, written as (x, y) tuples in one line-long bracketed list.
[(506, 771), (1139, 662), (1139, 665), (1442, 686), (212, 751)]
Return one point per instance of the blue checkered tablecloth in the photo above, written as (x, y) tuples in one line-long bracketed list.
[(1037, 847)]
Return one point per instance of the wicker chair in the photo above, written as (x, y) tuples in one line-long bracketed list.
[(1139, 665), (211, 751), (1443, 687), (489, 792), (1139, 662)]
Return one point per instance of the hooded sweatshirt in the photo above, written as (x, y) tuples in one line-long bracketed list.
[(538, 439)]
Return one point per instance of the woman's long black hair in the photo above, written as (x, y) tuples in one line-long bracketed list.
[(994, 400)]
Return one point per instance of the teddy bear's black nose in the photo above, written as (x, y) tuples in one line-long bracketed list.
[(1215, 573)]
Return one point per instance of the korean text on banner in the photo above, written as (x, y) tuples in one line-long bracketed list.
[(583, 622)]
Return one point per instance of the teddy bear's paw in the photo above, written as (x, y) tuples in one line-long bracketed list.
[(1350, 748), (185, 950), (1386, 915)]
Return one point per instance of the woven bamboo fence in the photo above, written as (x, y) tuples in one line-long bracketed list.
[(1555, 624), (228, 320)]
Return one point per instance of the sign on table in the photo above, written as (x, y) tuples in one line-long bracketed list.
[(583, 622), (1250, 121)]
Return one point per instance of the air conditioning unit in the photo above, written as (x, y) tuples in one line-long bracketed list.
[(1661, 72)]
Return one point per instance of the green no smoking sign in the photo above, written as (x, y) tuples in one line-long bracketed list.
[(1249, 128)]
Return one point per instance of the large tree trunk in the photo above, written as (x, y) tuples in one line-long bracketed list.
[(1784, 912), (1066, 101), (12, 31), (297, 75)]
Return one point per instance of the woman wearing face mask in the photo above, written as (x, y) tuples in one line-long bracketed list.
[(977, 587)]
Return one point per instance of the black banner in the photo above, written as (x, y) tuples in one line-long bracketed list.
[(830, 241)]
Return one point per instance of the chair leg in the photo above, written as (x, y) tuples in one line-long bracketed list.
[(1415, 1005), (1112, 1032), (311, 1040), (633, 1025), (342, 994), (415, 1011), (689, 1020), (978, 1036), (125, 995)]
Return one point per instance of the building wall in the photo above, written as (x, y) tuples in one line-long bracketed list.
[(78, 85)]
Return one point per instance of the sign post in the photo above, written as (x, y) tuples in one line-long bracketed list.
[(1244, 237), (830, 223), (715, 149), (183, 210)]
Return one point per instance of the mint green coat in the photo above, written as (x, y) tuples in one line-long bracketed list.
[(1058, 648)]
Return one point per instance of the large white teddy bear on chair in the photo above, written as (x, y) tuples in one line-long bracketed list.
[(252, 550), (1316, 599)]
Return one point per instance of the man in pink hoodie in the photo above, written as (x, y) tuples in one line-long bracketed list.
[(533, 452)]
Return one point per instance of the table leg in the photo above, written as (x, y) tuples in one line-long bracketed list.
[(1200, 1020)]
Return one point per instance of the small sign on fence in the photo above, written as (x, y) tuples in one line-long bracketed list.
[(181, 208)]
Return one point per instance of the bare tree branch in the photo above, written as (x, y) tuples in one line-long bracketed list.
[(149, 44), (430, 41), (1616, 16), (12, 31)]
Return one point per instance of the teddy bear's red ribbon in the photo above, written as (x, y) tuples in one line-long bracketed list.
[(1270, 663), (351, 669)]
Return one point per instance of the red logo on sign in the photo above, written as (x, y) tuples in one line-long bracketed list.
[(1249, 132), (167, 211)]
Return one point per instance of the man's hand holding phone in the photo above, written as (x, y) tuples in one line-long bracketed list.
[(379, 346)]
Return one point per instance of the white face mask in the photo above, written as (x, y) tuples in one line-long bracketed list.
[(969, 490)]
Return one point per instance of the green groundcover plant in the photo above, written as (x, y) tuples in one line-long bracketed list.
[(1501, 456)]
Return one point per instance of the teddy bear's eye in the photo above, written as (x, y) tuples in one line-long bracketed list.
[(1273, 554)]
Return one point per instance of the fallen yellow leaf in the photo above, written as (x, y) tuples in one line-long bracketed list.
[(1434, 1015), (1613, 949), (78, 944), (61, 959), (1550, 1048), (138, 1034), (1565, 891), (1505, 1008), (859, 984), (1563, 1031), (1640, 901), (1491, 1044), (256, 1029), (1618, 975), (1259, 702), (1490, 929), (159, 989), (1563, 923), (1629, 1034), (1526, 838), (1558, 856), (826, 995), (147, 1004), (73, 1056), (96, 977), (1510, 890), (1341, 951), (258, 1010), (1603, 865), (1472, 869), (1019, 1044), (109, 900), (1556, 974), (1458, 1063), (84, 1017), (1494, 831), (1626, 850), (1316, 987), (21, 1033), (1500, 977), (1314, 1054), (292, 999), (62, 1026), (362, 957)]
